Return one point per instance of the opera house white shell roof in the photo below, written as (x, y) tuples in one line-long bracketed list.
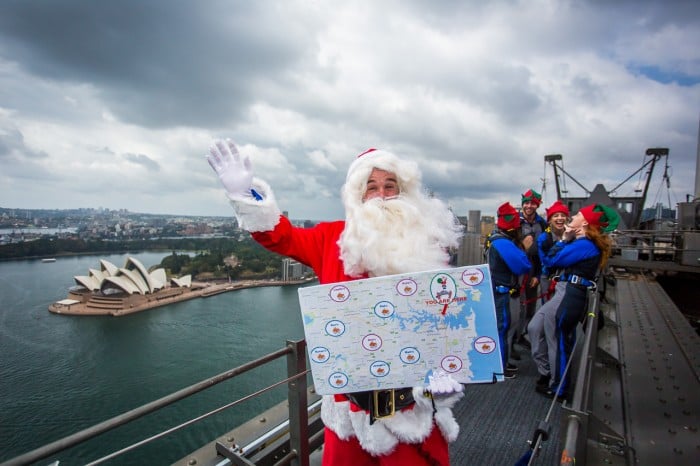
[(132, 278)]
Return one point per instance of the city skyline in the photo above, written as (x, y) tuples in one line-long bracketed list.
[(103, 104)]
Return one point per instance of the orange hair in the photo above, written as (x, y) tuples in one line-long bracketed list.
[(602, 240)]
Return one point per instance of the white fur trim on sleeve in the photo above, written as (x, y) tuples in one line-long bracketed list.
[(444, 418), (254, 215)]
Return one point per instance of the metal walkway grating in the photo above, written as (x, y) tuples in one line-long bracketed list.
[(661, 355)]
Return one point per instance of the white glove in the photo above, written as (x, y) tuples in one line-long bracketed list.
[(442, 383), (235, 171)]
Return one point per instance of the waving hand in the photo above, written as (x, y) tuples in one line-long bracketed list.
[(234, 171)]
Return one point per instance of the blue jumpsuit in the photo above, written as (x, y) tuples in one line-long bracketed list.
[(506, 261), (580, 258), (529, 300)]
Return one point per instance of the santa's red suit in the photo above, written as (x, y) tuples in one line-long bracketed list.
[(419, 433)]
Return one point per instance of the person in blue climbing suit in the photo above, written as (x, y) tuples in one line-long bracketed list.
[(541, 330), (531, 226), (580, 255), (507, 260)]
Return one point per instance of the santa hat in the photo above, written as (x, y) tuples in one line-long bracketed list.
[(532, 196), (407, 174), (508, 217), (557, 208), (600, 216)]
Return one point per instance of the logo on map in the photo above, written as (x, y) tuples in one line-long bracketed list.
[(338, 380), (484, 345), (372, 342), (451, 364), (335, 328), (339, 293), (409, 355), (472, 277), (443, 288), (406, 287), (319, 354), (384, 309), (379, 369)]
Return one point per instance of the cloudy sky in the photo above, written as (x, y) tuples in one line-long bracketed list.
[(114, 103)]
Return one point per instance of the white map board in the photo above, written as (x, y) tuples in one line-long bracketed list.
[(393, 331)]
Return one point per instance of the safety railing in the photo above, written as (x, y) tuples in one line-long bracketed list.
[(576, 415), (652, 245), (580, 423), (300, 438)]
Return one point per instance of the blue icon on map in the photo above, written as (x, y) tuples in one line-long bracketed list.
[(338, 380), (335, 328), (384, 309), (319, 354), (379, 368), (409, 355)]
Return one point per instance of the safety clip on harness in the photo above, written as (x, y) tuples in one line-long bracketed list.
[(577, 280)]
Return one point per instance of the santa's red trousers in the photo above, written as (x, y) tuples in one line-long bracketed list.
[(432, 452)]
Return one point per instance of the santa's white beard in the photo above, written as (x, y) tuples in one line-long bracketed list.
[(390, 236)]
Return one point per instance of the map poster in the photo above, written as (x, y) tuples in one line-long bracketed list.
[(394, 331)]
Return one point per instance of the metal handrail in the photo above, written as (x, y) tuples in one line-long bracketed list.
[(296, 363), (576, 418)]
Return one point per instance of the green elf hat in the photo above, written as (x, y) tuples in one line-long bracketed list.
[(532, 196), (603, 217)]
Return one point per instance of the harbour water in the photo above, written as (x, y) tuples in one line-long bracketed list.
[(61, 374)]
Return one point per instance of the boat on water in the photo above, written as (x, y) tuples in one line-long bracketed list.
[(48, 259), (636, 378)]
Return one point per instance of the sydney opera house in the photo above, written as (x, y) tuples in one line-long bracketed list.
[(113, 290)]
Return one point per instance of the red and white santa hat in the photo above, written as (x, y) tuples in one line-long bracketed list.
[(407, 173)]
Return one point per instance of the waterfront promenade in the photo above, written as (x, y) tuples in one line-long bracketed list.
[(95, 304)]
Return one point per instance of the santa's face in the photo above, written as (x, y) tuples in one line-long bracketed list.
[(382, 184)]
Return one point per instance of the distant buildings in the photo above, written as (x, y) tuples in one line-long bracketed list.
[(293, 270)]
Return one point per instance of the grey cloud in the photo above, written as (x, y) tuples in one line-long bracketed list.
[(158, 63), (144, 161), (486, 111), (12, 146), (586, 89)]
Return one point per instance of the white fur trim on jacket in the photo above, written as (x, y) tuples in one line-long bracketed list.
[(254, 215), (407, 426)]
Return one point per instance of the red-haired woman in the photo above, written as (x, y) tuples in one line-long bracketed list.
[(580, 255)]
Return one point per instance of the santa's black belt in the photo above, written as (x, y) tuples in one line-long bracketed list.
[(382, 403)]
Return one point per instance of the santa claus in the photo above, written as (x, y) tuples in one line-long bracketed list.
[(392, 226)]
